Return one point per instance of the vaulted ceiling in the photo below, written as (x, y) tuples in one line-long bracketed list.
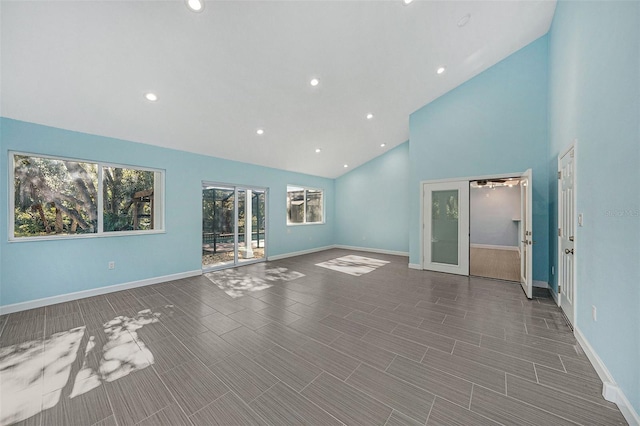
[(239, 66)]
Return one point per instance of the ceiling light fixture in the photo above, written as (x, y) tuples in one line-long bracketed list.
[(151, 97), (464, 20), (369, 116), (382, 145), (345, 166), (195, 5), (314, 82), (260, 131), (318, 150), (441, 70), (406, 2)]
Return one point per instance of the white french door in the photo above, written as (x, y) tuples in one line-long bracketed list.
[(526, 215), (446, 227), (566, 233)]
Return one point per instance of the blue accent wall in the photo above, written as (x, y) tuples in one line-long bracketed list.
[(38, 269), (494, 123), (594, 97), (371, 203)]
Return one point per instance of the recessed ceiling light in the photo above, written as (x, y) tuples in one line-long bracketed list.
[(151, 97), (345, 166), (314, 82), (318, 150), (441, 70), (406, 2), (195, 5), (369, 116), (382, 145), (260, 131), (464, 20)]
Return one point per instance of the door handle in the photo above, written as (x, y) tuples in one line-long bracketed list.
[(567, 251), (571, 238)]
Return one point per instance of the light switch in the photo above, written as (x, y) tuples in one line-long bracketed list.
[(579, 219)]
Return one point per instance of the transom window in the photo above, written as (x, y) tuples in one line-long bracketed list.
[(53, 197), (304, 205)]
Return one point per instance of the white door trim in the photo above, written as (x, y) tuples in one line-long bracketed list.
[(526, 214), (462, 267), (468, 179), (573, 146)]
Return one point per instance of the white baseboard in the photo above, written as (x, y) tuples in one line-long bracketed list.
[(541, 284), (489, 246), (610, 389), (415, 266), (31, 304), (374, 250), (300, 253)]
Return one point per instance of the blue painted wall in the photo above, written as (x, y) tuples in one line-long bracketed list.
[(38, 269), (494, 123), (371, 203), (594, 96), (491, 216)]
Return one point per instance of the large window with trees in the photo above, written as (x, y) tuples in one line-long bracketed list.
[(55, 197), (304, 205)]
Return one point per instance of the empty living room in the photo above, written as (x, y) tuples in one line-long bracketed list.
[(395, 212)]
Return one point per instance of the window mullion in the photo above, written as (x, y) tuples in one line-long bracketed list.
[(304, 211), (100, 199)]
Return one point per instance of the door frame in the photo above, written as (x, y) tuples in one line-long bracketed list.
[(450, 180), (526, 218), (462, 186), (235, 188), (573, 145)]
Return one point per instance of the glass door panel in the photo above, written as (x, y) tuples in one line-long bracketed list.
[(444, 227), (233, 225), (251, 224), (218, 226)]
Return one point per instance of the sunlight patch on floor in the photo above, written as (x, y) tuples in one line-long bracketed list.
[(63, 365), (353, 265), (237, 283)]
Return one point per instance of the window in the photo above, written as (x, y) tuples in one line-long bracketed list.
[(56, 197), (304, 205)]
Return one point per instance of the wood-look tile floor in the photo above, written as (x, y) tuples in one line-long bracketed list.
[(494, 263), (391, 347)]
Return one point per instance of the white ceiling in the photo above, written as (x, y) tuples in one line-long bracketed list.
[(243, 65)]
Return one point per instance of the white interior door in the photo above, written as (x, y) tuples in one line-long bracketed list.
[(446, 227), (526, 258), (566, 233)]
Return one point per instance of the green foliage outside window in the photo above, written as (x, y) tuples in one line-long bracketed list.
[(55, 196)]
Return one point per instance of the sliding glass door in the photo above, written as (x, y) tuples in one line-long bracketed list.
[(233, 225)]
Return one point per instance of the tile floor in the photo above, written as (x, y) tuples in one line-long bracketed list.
[(392, 347)]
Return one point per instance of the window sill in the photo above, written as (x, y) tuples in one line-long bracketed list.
[(85, 236)]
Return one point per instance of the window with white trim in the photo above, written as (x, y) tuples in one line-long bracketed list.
[(304, 205), (54, 197)]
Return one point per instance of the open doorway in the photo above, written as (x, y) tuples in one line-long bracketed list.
[(495, 227)]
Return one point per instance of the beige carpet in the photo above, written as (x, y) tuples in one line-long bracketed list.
[(491, 263)]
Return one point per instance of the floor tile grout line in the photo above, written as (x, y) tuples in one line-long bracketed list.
[(174, 397), (389, 416), (569, 393), (526, 347), (354, 370), (550, 412), (216, 399)]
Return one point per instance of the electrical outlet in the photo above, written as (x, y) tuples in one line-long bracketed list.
[(594, 313), (580, 220), (112, 265)]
